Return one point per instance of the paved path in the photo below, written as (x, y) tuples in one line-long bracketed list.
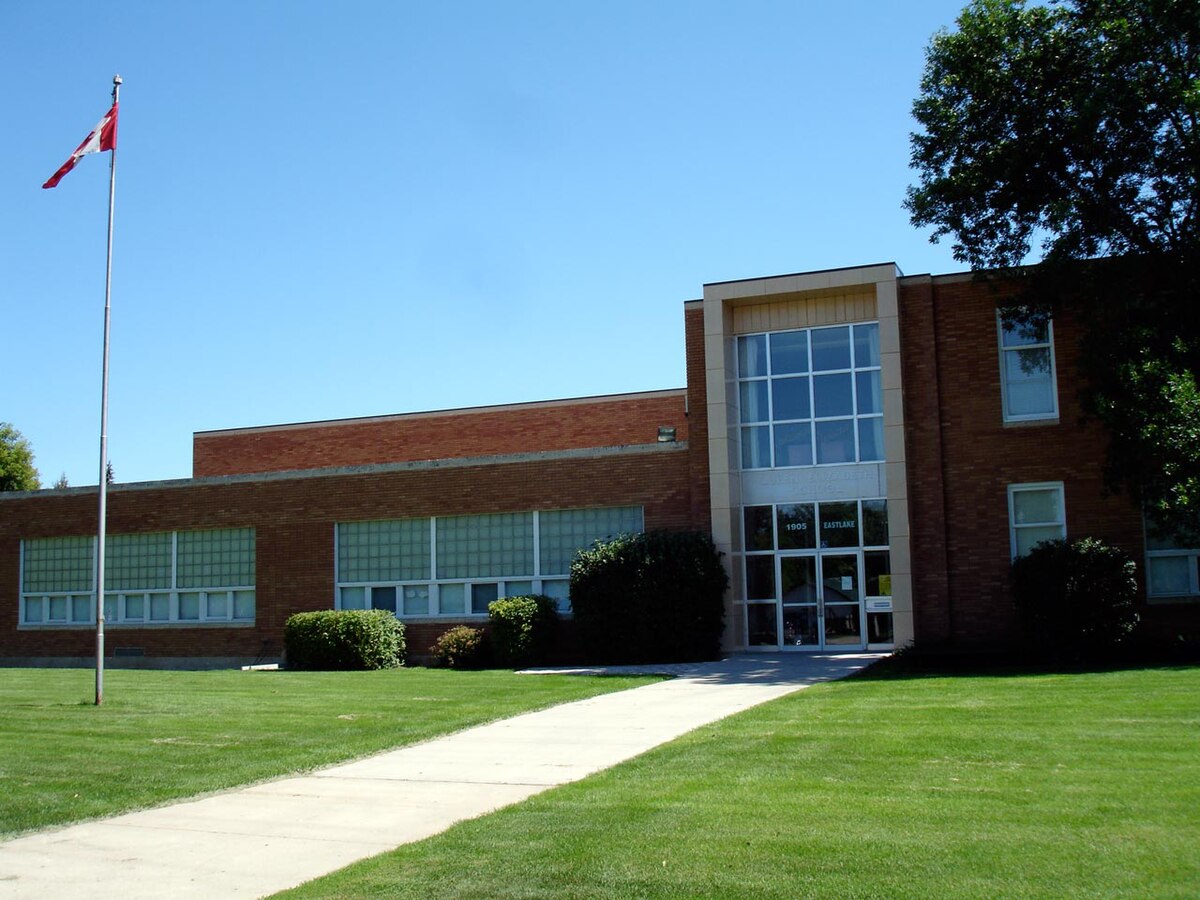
[(258, 840)]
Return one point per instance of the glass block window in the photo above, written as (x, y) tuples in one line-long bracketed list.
[(810, 397), (58, 564), (1028, 387), (564, 532), (391, 550), (222, 557), (134, 561), (485, 546), (1035, 513)]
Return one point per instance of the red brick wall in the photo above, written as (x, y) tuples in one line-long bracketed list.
[(294, 519), (697, 397), (488, 431), (961, 458)]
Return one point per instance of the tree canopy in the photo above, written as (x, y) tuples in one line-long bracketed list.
[(16, 461), (1070, 132)]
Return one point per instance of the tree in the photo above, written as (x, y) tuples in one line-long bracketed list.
[(62, 482), (17, 472), (1074, 127)]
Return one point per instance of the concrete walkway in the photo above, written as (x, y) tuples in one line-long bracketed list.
[(258, 840)]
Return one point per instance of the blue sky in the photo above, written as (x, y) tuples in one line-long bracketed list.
[(328, 210)]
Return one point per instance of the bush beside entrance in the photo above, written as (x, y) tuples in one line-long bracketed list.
[(652, 597)]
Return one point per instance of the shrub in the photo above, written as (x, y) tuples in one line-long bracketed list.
[(461, 647), (523, 629), (653, 597), (1075, 598), (343, 639)]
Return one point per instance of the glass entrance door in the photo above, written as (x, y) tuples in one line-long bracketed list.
[(820, 601)]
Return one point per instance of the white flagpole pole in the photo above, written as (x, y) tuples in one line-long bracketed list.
[(103, 512)]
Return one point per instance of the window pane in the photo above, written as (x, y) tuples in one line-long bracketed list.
[(870, 439), (58, 609), (81, 609), (133, 561), (221, 557), (866, 345), (758, 528), (878, 566), (789, 352), (110, 607), (564, 532), (832, 395), (830, 348), (752, 355), (1029, 388), (1037, 506), (1028, 537), (879, 628), (58, 564), (760, 577), (518, 588), (835, 441), (799, 579), (754, 401), (189, 606), (386, 550), (243, 605), (33, 609), (839, 524), (760, 621), (487, 545), (160, 607), (354, 598), (797, 527), (870, 392), (875, 525), (793, 445), (790, 398), (416, 600), (135, 606), (560, 592), (218, 605), (756, 447), (1169, 575), (383, 598), (1013, 334), (800, 626), (452, 599), (482, 595)]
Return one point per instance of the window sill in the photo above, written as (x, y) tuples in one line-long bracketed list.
[(1031, 423), (1177, 599), (129, 626)]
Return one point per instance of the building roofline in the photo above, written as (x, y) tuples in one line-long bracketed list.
[(802, 274), (440, 413), (369, 469)]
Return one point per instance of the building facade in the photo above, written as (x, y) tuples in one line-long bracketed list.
[(868, 450)]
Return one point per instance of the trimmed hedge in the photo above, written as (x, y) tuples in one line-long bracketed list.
[(523, 629), (461, 647), (652, 597), (1075, 598), (340, 639)]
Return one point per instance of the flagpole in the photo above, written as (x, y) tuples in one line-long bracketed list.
[(103, 512)]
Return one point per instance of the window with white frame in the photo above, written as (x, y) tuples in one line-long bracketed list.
[(810, 397), (1036, 513), (161, 578), (1028, 386), (1172, 567), (457, 565)]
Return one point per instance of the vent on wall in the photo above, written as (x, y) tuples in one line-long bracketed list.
[(129, 651)]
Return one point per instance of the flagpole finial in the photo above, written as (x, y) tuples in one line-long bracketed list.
[(116, 87)]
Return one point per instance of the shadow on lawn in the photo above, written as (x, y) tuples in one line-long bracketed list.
[(918, 663)]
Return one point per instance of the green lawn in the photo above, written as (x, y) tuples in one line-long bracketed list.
[(1081, 785), (165, 735)]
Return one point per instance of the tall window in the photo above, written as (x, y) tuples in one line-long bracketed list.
[(1035, 513), (810, 397), (160, 578), (1027, 381)]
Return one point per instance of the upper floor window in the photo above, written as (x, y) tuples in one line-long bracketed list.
[(1027, 382), (810, 397), (1036, 513)]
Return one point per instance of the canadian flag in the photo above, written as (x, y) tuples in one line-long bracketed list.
[(103, 137)]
